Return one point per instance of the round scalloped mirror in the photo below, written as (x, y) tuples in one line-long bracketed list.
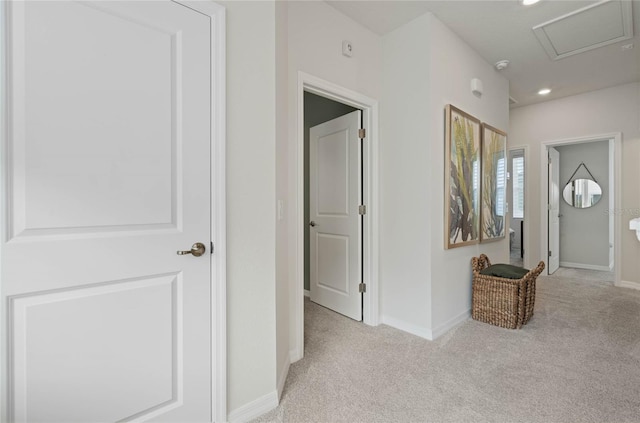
[(582, 193)]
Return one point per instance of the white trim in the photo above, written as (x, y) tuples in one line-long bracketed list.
[(217, 14), (629, 284), (612, 204), (307, 293), (4, 212), (294, 355), (255, 408), (450, 324), (282, 377), (428, 334), (615, 143), (218, 208), (584, 266), (369, 108), (407, 327)]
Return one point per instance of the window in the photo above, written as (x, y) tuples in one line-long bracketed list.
[(518, 187), (476, 184), (500, 187)]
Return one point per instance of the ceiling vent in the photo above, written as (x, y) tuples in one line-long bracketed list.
[(586, 29)]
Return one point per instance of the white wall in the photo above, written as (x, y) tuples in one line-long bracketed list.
[(405, 189), (251, 187), (282, 246), (453, 65), (425, 288), (584, 233), (615, 109), (316, 32)]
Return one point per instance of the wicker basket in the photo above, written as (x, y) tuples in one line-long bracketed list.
[(503, 302)]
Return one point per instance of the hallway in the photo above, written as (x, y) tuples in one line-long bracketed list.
[(577, 360)]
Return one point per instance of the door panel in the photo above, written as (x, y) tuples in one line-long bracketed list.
[(117, 182), (332, 262), (131, 350), (334, 199), (333, 175), (108, 176), (554, 210)]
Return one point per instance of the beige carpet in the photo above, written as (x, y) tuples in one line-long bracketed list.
[(578, 360)]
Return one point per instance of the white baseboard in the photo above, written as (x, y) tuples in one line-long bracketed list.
[(628, 284), (307, 293), (451, 323), (429, 334), (282, 378), (255, 408), (407, 327), (584, 266)]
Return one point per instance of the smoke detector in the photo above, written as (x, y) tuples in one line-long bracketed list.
[(501, 65)]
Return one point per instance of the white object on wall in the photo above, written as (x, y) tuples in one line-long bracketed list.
[(476, 87), (634, 225), (347, 48)]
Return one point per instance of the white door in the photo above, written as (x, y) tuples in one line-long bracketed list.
[(554, 210), (107, 163), (335, 234)]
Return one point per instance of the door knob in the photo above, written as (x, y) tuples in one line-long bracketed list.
[(312, 223), (196, 250)]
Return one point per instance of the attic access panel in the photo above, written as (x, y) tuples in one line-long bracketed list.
[(591, 27)]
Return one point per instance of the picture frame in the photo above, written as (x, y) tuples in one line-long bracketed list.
[(462, 178), (493, 184)]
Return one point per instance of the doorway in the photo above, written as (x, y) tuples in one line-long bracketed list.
[(333, 192), (369, 247), (583, 177), (516, 186)]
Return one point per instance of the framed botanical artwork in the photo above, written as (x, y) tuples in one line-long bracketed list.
[(493, 184), (462, 178)]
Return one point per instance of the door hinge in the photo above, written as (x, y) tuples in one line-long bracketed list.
[(211, 247), (549, 253), (362, 133), (549, 159), (362, 287), (362, 209)]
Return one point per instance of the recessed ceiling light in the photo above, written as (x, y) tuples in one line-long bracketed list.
[(529, 2), (544, 91)]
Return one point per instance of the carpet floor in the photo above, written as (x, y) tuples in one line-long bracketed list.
[(578, 360)]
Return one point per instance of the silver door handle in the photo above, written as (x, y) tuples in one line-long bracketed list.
[(312, 223), (196, 250)]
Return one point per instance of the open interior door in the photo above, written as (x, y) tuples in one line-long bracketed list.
[(336, 232)]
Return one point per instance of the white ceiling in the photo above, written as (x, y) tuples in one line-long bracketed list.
[(503, 30)]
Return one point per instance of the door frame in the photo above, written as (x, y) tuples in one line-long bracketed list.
[(369, 107), (217, 15), (615, 203)]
